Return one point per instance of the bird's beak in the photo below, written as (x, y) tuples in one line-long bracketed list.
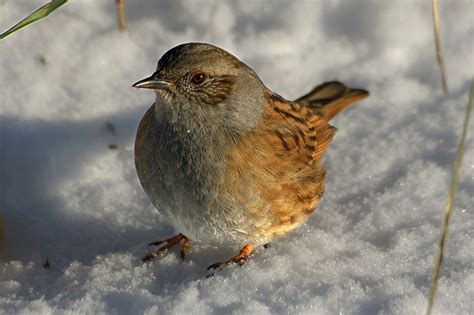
[(152, 83)]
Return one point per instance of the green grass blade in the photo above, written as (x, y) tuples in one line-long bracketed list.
[(38, 14)]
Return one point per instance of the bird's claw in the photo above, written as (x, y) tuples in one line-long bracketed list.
[(239, 259), (150, 256), (167, 244), (156, 243)]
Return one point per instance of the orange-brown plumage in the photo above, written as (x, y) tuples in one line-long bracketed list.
[(224, 159), (290, 176)]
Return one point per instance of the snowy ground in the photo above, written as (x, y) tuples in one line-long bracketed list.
[(66, 196)]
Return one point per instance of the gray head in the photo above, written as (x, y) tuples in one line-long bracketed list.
[(202, 86)]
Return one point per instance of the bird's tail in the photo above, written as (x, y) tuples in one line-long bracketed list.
[(330, 98)]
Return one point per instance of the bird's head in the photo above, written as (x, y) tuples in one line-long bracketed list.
[(204, 84)]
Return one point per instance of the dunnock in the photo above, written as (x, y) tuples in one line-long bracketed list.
[(226, 161)]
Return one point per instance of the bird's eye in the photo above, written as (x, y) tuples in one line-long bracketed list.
[(198, 78)]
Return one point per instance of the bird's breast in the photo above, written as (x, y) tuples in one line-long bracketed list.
[(181, 177)]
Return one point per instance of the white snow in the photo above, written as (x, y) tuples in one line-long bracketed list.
[(369, 248)]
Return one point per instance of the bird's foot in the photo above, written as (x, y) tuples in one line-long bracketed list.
[(240, 258), (167, 244)]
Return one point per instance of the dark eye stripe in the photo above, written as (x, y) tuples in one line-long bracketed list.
[(216, 89)]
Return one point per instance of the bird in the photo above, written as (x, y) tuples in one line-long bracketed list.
[(226, 161)]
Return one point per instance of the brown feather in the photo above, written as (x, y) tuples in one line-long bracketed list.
[(289, 178), (330, 98)]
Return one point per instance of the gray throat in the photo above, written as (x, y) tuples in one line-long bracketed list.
[(196, 147), (199, 137)]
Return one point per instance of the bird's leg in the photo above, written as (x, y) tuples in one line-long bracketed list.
[(184, 247), (167, 244), (240, 258)]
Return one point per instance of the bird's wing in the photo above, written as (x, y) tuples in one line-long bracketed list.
[(301, 132), (276, 170)]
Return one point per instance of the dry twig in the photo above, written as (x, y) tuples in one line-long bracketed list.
[(449, 205), (439, 51), (122, 21)]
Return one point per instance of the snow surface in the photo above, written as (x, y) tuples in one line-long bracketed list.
[(368, 249)]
